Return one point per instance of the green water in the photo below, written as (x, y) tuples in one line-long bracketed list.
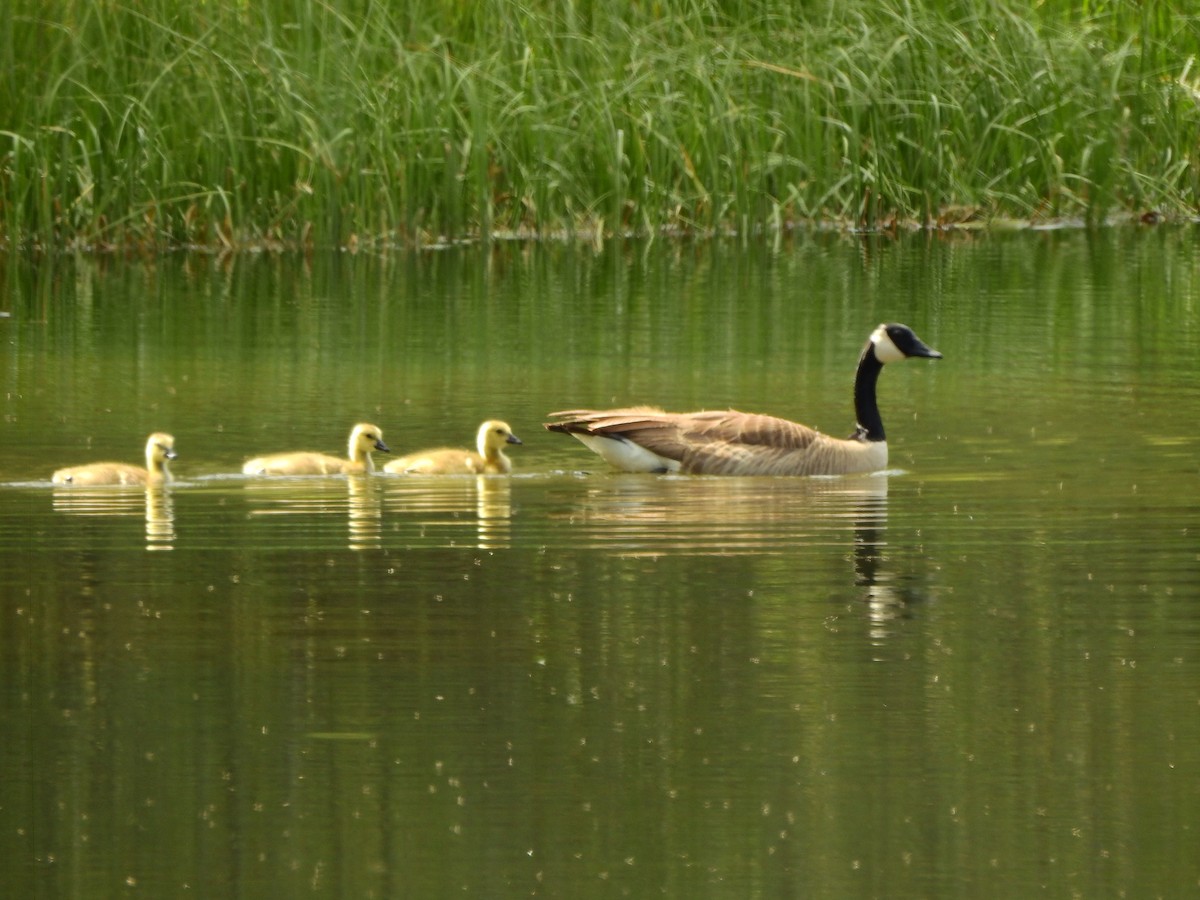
[(977, 674)]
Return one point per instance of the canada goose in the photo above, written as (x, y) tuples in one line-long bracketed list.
[(363, 439), (160, 448), (489, 460), (646, 439)]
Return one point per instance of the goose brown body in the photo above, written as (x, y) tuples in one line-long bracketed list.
[(160, 449), (364, 438), (487, 459), (716, 442), (728, 442)]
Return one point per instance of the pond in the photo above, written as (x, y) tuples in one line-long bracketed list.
[(976, 673)]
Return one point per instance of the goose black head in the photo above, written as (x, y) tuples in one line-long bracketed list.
[(893, 342)]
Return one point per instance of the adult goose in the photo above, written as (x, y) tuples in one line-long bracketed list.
[(488, 458), (646, 439), (363, 439), (160, 449)]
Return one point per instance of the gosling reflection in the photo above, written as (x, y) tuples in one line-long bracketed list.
[(354, 497), (154, 504), (365, 513), (160, 519), (454, 511), (493, 511)]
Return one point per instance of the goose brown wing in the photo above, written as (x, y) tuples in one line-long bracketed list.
[(718, 442), (731, 426), (736, 443)]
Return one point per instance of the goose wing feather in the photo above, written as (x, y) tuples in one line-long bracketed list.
[(717, 442)]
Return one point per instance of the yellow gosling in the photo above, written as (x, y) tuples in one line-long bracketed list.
[(160, 448), (363, 439), (489, 460)]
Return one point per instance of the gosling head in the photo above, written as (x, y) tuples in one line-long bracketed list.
[(160, 448), (493, 435), (365, 438), (892, 342)]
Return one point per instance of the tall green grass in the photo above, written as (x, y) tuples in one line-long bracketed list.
[(301, 123)]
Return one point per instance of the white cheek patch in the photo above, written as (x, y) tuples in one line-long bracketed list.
[(886, 350)]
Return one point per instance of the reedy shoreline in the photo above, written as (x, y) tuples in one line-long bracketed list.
[(297, 126)]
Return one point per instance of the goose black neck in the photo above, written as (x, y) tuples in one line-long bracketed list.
[(866, 410)]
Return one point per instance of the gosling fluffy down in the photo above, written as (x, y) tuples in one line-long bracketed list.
[(489, 459), (160, 449), (364, 438)]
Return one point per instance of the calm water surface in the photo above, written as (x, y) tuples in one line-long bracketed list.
[(976, 674)]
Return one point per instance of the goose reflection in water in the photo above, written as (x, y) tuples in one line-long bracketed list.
[(888, 594), (635, 516), (153, 503)]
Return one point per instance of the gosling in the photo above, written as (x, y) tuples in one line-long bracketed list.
[(490, 458), (160, 449), (364, 438)]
